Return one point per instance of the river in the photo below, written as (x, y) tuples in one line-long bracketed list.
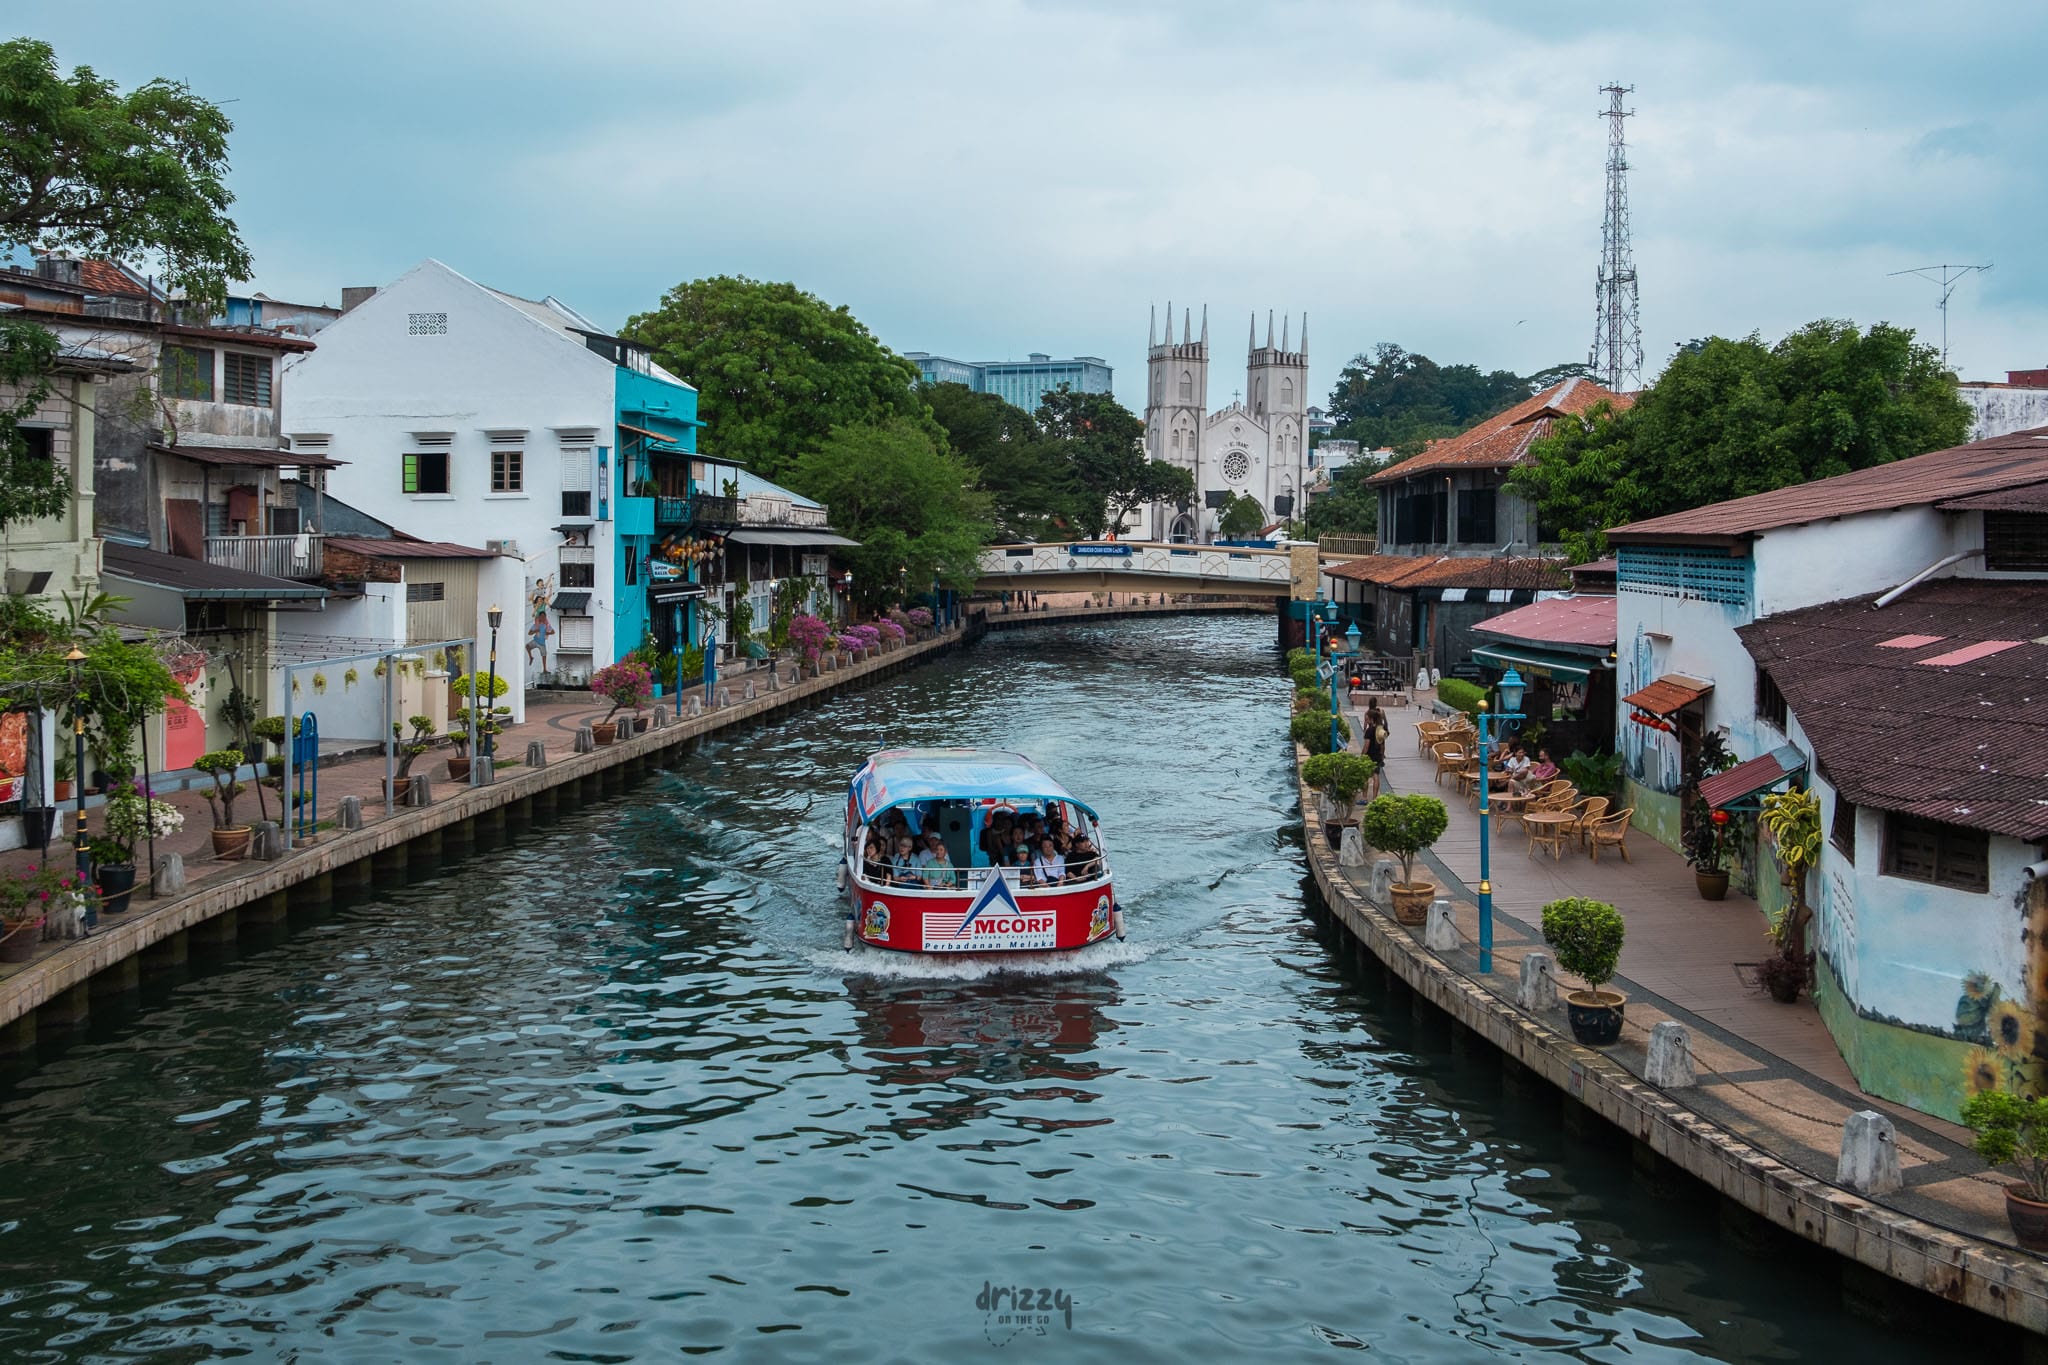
[(614, 1093)]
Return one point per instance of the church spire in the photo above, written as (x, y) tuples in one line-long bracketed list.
[(1304, 335), (1187, 333), (1251, 339), (1283, 331), (1205, 328), (1152, 332), (1269, 329)]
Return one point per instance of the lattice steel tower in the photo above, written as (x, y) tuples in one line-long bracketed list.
[(1617, 356)]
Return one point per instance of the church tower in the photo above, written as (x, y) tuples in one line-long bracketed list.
[(1276, 394), (1177, 393)]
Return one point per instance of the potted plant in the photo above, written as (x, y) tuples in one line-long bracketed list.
[(1586, 936), (1340, 777), (628, 686), (1785, 972), (1404, 826), (1793, 819), (65, 769), (458, 736), (130, 819), (2012, 1129), (410, 747), (1311, 730), (230, 840), (1706, 849)]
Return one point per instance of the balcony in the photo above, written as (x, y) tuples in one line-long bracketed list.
[(275, 556), (755, 511), (707, 510)]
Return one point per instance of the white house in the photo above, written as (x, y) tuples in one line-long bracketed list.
[(1876, 637), (474, 417)]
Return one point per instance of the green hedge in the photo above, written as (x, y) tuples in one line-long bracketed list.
[(1461, 694), (1311, 730)]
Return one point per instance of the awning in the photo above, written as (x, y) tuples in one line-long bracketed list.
[(789, 538), (1540, 663), (571, 601), (258, 457), (663, 593), (1746, 779), (197, 581), (669, 443), (901, 777), (1668, 695)]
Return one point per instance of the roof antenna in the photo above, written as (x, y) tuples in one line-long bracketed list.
[(1939, 275)]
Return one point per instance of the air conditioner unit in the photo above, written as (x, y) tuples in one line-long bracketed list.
[(503, 547)]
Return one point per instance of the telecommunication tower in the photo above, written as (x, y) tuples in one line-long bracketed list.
[(1617, 356), (1947, 277)]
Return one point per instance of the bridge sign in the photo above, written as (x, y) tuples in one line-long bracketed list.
[(1120, 551)]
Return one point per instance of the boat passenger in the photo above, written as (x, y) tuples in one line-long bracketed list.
[(903, 867), (938, 868), (1049, 867), (872, 865), (995, 840), (1020, 858), (1084, 864)]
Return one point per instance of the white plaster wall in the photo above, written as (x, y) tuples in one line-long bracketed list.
[(371, 385), (375, 619), (2000, 412), (1825, 561), (1702, 644)]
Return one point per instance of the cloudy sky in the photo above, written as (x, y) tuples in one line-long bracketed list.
[(990, 178)]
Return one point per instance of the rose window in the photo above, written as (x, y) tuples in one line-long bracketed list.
[(1237, 466)]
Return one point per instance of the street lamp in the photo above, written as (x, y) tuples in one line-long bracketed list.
[(1509, 717), (1329, 610), (496, 616), (76, 658)]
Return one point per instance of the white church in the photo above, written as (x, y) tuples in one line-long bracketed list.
[(1257, 445)]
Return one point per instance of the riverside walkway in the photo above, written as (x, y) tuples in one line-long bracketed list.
[(1764, 1122)]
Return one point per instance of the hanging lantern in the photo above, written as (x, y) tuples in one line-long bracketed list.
[(1720, 817)]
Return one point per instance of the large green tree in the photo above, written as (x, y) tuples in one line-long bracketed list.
[(1351, 507), (1400, 399), (909, 502), (776, 369), (1031, 490), (1241, 519), (1729, 418), (1101, 446), (137, 177)]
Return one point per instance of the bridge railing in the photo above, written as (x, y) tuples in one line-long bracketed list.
[(1209, 563)]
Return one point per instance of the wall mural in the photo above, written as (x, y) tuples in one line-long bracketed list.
[(539, 594), (2007, 1033)]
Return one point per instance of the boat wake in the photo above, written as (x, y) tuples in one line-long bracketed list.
[(883, 965)]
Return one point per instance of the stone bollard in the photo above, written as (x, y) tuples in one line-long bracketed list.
[(485, 770), (696, 704), (774, 680), (1870, 1154), (170, 874), (1441, 934), (421, 793), (1384, 873), (725, 696), (1350, 848), (1538, 990), (536, 754), (268, 841), (1670, 1065), (586, 742), (747, 693), (348, 813), (661, 718)]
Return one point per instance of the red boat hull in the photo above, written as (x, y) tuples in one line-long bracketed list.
[(911, 920)]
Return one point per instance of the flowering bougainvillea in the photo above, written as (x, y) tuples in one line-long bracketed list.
[(809, 635), (862, 637), (921, 617), (890, 631), (628, 685)]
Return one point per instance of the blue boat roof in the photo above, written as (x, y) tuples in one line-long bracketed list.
[(899, 777)]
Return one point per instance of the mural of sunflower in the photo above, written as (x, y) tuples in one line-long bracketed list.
[(1982, 1071), (2012, 1031)]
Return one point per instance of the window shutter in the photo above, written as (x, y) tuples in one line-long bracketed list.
[(410, 477), (578, 635), (576, 470)]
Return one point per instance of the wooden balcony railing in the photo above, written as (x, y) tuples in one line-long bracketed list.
[(275, 556)]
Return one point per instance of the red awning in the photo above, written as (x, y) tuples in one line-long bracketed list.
[(1746, 779), (1668, 695)]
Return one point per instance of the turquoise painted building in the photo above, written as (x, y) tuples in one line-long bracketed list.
[(655, 484)]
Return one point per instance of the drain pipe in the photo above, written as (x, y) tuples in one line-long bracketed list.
[(1936, 567)]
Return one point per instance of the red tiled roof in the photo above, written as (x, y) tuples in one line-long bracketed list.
[(1668, 695), (1963, 743), (1451, 571), (104, 277), (1503, 439), (406, 548), (1560, 621), (1933, 478)]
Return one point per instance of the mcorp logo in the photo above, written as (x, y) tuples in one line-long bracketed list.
[(994, 923)]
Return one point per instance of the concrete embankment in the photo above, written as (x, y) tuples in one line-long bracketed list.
[(1873, 1243)]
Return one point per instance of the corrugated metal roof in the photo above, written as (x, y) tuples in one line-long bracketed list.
[(1746, 779), (1933, 478), (1504, 439), (1451, 571), (197, 579), (1587, 622), (1966, 744), (2028, 497), (406, 548), (262, 457), (1668, 695)]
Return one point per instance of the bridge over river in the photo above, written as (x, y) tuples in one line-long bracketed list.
[(1151, 566)]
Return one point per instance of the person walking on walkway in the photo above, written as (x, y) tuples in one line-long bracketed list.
[(1375, 728)]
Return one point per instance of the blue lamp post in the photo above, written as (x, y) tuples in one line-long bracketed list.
[(1336, 740), (1509, 717)]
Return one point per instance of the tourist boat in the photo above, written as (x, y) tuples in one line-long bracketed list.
[(985, 908)]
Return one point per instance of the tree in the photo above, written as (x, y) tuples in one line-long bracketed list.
[(1242, 518), (1351, 507), (137, 178), (1101, 445), (1031, 488), (910, 504), (777, 369), (1728, 418), (1395, 398)]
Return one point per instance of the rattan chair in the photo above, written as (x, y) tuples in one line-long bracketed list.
[(1611, 830), (1589, 810), (1450, 757)]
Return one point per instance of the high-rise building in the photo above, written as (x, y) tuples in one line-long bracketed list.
[(1021, 383)]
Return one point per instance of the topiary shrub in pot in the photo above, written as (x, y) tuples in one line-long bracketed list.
[(1311, 730), (1404, 826), (1340, 777), (1586, 935), (230, 840), (2014, 1129), (628, 686)]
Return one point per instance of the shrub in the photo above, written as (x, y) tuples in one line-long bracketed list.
[(2012, 1129), (1404, 826), (484, 685), (919, 616), (1593, 774), (1311, 730), (1464, 696), (1586, 936), (1297, 657), (808, 634), (1341, 777), (220, 765), (1312, 699), (627, 685), (271, 728), (129, 820), (27, 894)]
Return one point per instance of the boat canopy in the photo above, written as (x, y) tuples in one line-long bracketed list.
[(903, 777)]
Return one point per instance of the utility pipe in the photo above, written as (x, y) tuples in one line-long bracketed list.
[(1936, 567)]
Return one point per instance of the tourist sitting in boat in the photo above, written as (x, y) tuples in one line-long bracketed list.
[(903, 869), (1049, 867), (938, 867), (1020, 859), (1084, 863)]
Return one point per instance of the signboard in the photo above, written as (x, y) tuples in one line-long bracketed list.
[(1120, 551), (13, 755), (661, 571), (993, 923), (816, 566)]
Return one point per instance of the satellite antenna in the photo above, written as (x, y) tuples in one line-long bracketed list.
[(1947, 277)]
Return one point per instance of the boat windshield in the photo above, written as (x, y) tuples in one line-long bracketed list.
[(962, 844)]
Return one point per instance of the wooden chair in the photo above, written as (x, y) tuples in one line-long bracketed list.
[(1450, 757), (1611, 830), (1429, 734), (1548, 835), (1588, 810)]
